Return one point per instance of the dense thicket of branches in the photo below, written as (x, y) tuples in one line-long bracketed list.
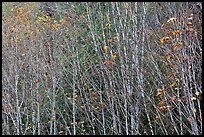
[(102, 68)]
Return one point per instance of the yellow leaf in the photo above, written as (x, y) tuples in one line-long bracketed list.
[(195, 110), (55, 26), (162, 40), (31, 32), (108, 24), (114, 56), (189, 23), (115, 38), (46, 25), (166, 38), (175, 32), (61, 20), (171, 19), (169, 57), (40, 18), (47, 17), (36, 81), (52, 119), (197, 93), (163, 57), (180, 43), (173, 84), (193, 98)]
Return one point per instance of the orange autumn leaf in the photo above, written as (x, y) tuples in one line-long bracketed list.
[(190, 29), (167, 31), (161, 102), (162, 107), (105, 48), (107, 62), (199, 120), (166, 38), (61, 126), (181, 18), (165, 107), (110, 40), (115, 53), (55, 26), (177, 44), (175, 32)]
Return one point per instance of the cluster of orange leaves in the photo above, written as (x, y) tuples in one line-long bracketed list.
[(113, 59), (161, 91), (177, 31), (114, 55), (49, 21), (171, 37)]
